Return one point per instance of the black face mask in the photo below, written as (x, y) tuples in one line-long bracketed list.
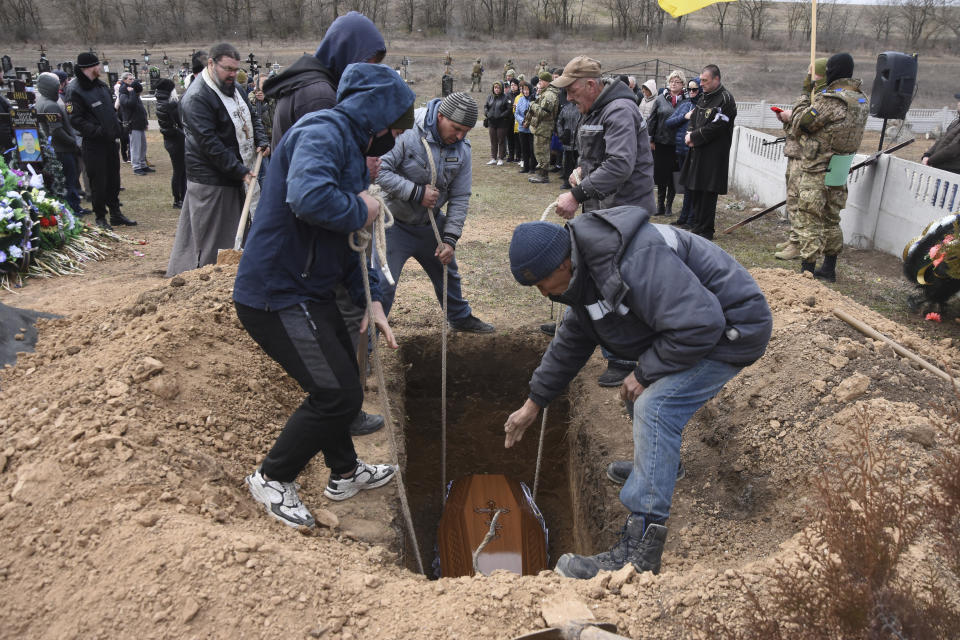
[(381, 144)]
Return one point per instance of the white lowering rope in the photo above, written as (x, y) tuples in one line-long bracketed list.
[(359, 241), (551, 208), (443, 334)]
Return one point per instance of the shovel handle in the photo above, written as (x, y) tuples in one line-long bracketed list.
[(242, 227)]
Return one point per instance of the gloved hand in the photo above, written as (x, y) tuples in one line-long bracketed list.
[(807, 84)]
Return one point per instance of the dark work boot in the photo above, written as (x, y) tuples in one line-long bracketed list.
[(365, 423), (639, 545), (661, 196), (669, 210), (808, 266), (619, 470), (541, 177), (828, 271), (103, 224), (118, 219), (614, 375), (549, 328)]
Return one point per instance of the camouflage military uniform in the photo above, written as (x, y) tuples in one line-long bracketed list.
[(508, 66), (476, 76), (793, 150), (833, 124), (543, 115)]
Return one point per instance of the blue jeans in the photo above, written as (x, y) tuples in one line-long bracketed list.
[(659, 416), (406, 241)]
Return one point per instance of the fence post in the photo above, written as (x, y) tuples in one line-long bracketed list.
[(734, 148), (877, 188)]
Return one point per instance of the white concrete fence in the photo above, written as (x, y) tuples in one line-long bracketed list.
[(889, 202), (759, 116)]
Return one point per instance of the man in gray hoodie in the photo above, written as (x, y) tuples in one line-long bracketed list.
[(684, 310), (414, 197), (62, 135)]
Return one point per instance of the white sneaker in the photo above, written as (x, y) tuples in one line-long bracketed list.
[(492, 161), (367, 476), (281, 500), (499, 163)]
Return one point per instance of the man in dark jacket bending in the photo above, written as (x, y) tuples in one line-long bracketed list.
[(683, 309)]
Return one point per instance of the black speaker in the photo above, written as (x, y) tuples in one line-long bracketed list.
[(894, 85)]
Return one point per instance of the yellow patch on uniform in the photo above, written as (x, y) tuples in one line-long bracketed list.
[(69, 107)]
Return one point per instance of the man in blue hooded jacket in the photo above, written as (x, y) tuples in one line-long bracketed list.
[(676, 304), (310, 84), (296, 254)]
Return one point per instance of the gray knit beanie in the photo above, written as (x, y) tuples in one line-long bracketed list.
[(460, 108), (537, 249)]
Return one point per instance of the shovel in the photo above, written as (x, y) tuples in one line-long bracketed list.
[(232, 256), (571, 620)]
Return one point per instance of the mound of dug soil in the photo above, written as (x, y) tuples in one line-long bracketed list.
[(128, 432)]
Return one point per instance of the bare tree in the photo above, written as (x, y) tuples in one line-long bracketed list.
[(82, 15), (798, 15), (880, 18), (756, 12), (918, 20), (20, 19), (721, 10)]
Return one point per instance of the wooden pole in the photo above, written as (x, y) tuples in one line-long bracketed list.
[(813, 36), (867, 330)]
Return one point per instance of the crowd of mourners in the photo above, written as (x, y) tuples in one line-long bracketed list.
[(507, 117), (675, 317)]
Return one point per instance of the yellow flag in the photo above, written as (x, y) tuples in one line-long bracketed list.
[(677, 8)]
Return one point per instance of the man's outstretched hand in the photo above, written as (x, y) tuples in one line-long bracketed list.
[(518, 422)]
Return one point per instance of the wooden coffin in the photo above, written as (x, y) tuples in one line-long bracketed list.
[(520, 543)]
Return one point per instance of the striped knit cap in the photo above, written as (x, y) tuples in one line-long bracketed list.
[(460, 108)]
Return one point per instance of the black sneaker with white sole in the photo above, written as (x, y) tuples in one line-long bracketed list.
[(367, 476), (280, 499)]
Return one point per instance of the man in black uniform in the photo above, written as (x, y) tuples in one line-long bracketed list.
[(90, 105)]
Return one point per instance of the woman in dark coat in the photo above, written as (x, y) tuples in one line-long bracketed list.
[(498, 116), (663, 142), (171, 126)]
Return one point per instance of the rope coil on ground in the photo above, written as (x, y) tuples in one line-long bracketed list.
[(443, 334), (359, 241)]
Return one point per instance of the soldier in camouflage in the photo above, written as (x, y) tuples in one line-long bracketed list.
[(792, 149), (833, 125), (543, 115), (476, 76)]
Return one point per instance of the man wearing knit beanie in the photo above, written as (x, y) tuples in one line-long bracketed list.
[(686, 312), (417, 184)]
